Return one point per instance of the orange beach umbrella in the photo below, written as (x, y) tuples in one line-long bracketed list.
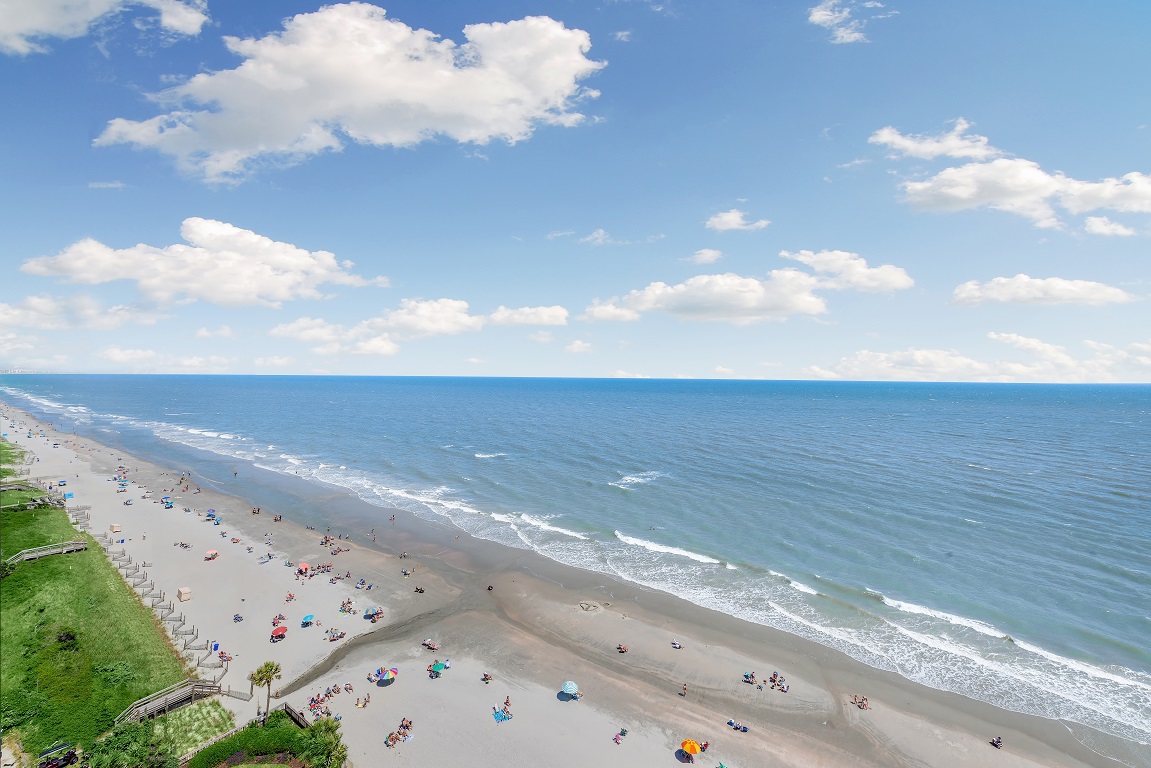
[(303, 566), (691, 746)]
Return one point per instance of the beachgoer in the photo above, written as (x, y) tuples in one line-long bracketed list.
[(685, 690), (508, 702)]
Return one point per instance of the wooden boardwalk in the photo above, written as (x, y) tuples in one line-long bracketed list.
[(52, 549)]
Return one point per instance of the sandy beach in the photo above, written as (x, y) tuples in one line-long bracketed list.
[(539, 625)]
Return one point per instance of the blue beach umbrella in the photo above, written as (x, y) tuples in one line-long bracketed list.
[(570, 688), (307, 620)]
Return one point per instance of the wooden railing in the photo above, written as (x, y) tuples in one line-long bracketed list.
[(51, 549), (172, 697)]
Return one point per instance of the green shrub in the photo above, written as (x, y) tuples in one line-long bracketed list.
[(250, 743)]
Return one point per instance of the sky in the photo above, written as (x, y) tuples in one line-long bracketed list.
[(943, 191)]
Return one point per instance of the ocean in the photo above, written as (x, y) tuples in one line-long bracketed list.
[(992, 540)]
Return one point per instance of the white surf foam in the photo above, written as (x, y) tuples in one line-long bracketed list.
[(959, 621), (490, 455), (651, 546), (544, 525), (627, 482)]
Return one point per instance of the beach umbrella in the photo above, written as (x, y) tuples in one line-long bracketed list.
[(212, 553), (303, 566), (439, 667), (211, 510), (279, 631), (308, 619), (388, 674), (570, 688), (691, 746)]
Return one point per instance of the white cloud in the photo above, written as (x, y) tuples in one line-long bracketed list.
[(345, 72), (16, 342), (47, 312), (728, 297), (626, 375), (1023, 289), (1013, 185), (24, 24), (560, 233), (623, 36), (275, 361), (850, 270), (734, 219), (119, 355), (578, 347), (223, 332), (706, 256), (951, 144), (197, 364), (723, 370), (106, 185), (1042, 362), (529, 316), (435, 317), (1101, 225), (222, 264), (415, 318), (741, 300), (476, 361), (837, 16), (599, 237)]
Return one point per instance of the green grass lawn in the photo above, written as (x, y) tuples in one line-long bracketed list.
[(187, 728), (25, 529), (11, 458), (77, 646)]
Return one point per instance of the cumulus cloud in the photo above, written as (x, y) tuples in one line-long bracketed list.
[(16, 342), (1101, 225), (275, 361), (1041, 362), (555, 315), (729, 297), (1023, 188), (723, 370), (846, 19), (1012, 184), (706, 256), (46, 312), (578, 347), (623, 36), (844, 269), (26, 24), (348, 73), (1023, 289), (223, 332), (741, 300), (120, 355), (734, 219), (415, 318), (221, 264), (598, 237), (954, 143)]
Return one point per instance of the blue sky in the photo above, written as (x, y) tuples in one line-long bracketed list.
[(912, 191)]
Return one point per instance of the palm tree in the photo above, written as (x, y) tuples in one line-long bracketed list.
[(266, 674)]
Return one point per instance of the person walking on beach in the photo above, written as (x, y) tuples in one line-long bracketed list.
[(684, 694)]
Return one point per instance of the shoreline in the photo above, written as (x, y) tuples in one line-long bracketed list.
[(538, 602)]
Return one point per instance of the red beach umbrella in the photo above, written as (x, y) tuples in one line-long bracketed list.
[(279, 631)]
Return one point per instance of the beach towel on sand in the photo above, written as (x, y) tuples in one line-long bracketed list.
[(500, 716)]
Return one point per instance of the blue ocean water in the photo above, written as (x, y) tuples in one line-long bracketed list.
[(991, 540)]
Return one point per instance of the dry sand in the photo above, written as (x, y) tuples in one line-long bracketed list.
[(542, 624)]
